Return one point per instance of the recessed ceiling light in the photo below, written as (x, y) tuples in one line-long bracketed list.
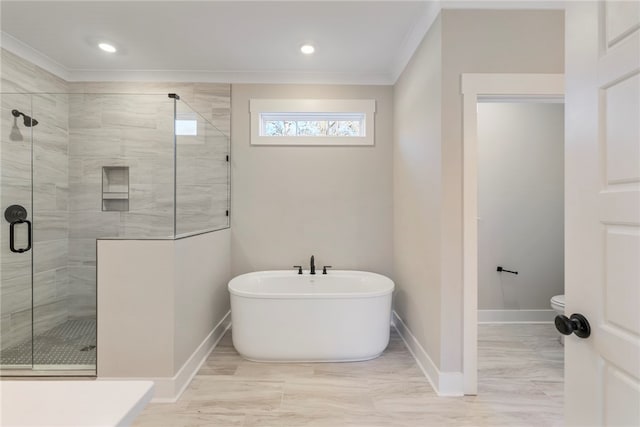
[(307, 49), (107, 47)]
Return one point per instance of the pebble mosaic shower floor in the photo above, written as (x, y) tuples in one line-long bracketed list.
[(71, 343)]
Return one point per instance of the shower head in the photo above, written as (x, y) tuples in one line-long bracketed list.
[(28, 121), (15, 134)]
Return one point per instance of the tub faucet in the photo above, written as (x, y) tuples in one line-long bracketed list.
[(313, 266)]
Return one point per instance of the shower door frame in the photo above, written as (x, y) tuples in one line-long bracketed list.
[(19, 199), (34, 369)]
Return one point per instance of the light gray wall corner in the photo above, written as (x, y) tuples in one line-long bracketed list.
[(428, 159)]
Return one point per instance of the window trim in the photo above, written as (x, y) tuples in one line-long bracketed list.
[(257, 107)]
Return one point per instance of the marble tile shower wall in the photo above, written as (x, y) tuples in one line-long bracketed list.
[(202, 187), (82, 128), (135, 129), (116, 130), (47, 206)]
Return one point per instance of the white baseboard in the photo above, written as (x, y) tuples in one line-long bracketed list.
[(516, 316), (169, 389), (444, 383)]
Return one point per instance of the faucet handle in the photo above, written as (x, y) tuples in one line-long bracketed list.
[(299, 267), (324, 269)]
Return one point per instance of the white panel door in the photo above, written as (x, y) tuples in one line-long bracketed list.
[(602, 211)]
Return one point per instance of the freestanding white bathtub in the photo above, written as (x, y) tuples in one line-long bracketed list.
[(281, 316)]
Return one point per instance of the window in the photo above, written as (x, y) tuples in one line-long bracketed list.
[(312, 122), (186, 124)]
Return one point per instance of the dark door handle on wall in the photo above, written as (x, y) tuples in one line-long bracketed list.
[(12, 226), (576, 324), (16, 214)]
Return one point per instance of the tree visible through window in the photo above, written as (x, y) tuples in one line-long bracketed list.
[(297, 124), (312, 122)]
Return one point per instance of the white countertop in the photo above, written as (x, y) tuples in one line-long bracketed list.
[(72, 403)]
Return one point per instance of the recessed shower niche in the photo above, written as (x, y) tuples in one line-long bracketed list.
[(115, 188), (90, 153)]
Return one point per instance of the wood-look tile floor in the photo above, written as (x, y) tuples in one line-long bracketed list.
[(520, 384)]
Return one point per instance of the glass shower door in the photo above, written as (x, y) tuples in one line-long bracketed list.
[(64, 298), (16, 234), (47, 290)]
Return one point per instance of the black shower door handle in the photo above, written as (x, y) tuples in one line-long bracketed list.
[(12, 226)]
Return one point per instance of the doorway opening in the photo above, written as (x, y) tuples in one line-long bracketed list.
[(477, 88), (520, 250)]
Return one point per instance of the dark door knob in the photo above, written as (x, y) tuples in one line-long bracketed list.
[(15, 213), (577, 324)]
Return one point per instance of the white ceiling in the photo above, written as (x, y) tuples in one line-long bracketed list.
[(233, 41)]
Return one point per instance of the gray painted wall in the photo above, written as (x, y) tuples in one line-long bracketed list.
[(472, 41), (159, 300), (203, 271), (291, 202), (520, 204), (481, 41), (417, 190)]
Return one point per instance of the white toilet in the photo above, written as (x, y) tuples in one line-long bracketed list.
[(557, 304)]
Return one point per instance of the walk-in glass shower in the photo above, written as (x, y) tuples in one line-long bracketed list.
[(77, 167)]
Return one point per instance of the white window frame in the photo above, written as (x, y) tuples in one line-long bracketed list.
[(257, 107)]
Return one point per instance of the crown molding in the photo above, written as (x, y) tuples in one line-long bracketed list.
[(248, 77), (414, 37), (406, 51), (432, 10), (36, 57), (504, 4), (26, 52)]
